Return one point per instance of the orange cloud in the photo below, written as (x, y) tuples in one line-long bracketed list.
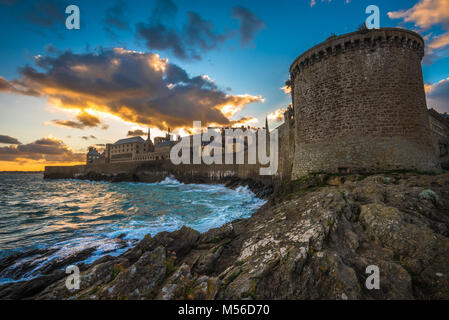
[(246, 121), (34, 156), (277, 115), (137, 87), (286, 89), (425, 15)]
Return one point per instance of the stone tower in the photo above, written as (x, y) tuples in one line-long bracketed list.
[(360, 105)]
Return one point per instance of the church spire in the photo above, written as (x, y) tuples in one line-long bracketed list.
[(149, 134), (266, 125)]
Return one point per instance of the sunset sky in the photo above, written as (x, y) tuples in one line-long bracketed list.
[(163, 64)]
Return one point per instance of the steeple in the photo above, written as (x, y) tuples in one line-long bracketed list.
[(266, 125), (149, 134)]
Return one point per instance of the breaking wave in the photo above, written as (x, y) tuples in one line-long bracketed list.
[(62, 218)]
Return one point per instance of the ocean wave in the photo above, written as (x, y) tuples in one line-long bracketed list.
[(170, 181), (72, 216)]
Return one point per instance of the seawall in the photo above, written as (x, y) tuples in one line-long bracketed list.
[(154, 171)]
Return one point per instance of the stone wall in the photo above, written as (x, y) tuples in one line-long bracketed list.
[(439, 127), (286, 149), (360, 105), (152, 171)]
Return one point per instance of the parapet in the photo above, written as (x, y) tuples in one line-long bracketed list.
[(336, 45)]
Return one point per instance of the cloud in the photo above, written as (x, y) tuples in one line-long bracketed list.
[(46, 13), (164, 10), (425, 15), (89, 137), (197, 35), (277, 115), (134, 133), (116, 18), (8, 140), (245, 121), (68, 123), (88, 120), (45, 149), (140, 88), (250, 24), (16, 87), (438, 95), (43, 13), (287, 89), (85, 120)]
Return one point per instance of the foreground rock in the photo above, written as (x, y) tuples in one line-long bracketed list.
[(313, 240)]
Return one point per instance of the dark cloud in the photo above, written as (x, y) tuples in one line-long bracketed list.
[(68, 123), (46, 13), (134, 133), (137, 87), (163, 11), (438, 95), (116, 18), (46, 149), (89, 137), (16, 87), (194, 38), (250, 24), (160, 37), (8, 140), (48, 142), (50, 48), (200, 33), (197, 35)]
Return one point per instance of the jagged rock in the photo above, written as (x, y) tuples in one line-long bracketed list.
[(28, 289), (207, 262), (312, 240), (175, 285), (422, 252), (180, 242), (139, 280)]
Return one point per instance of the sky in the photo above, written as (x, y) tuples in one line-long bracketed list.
[(162, 64)]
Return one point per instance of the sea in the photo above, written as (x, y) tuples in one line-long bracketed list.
[(62, 217)]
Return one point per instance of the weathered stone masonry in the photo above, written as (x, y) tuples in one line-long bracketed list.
[(360, 105)]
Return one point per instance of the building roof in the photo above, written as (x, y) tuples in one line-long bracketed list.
[(439, 116), (129, 140)]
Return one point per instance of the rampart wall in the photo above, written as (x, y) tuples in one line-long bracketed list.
[(360, 105)]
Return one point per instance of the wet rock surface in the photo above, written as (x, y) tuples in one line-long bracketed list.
[(314, 239)]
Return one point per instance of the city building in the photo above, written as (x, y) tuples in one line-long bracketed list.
[(92, 155), (439, 128)]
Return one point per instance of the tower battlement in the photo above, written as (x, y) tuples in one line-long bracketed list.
[(358, 40)]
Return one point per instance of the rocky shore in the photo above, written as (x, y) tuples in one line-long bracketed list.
[(313, 239)]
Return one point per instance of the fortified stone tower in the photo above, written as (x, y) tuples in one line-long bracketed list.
[(360, 105)]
